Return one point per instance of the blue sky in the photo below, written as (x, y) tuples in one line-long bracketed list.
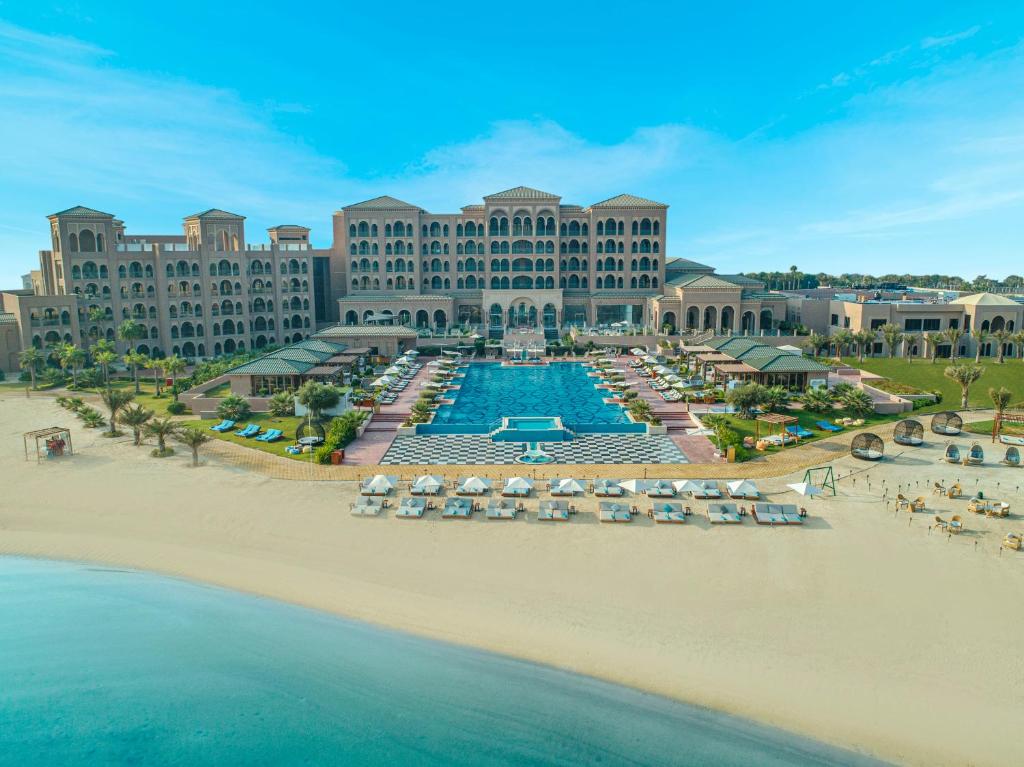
[(870, 137)]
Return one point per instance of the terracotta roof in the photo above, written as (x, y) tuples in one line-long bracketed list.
[(215, 213), (384, 202), (984, 299)]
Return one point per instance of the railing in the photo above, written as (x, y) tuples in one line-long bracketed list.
[(178, 247)]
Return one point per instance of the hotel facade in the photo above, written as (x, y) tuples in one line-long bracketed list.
[(522, 260)]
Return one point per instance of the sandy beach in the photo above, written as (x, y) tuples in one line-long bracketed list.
[(861, 628)]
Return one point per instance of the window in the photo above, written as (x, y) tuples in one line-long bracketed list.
[(932, 324), (912, 324), (846, 322), (877, 323)]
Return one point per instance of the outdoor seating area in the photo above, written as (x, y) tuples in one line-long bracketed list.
[(668, 512), (1012, 457), (744, 489), (867, 447), (457, 508), (610, 511), (554, 511), (976, 455), (908, 432), (661, 379), (947, 423), (52, 442), (778, 514), (951, 454), (396, 378), (501, 508), (724, 514), (367, 507)]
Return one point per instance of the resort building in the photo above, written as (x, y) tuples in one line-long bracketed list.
[(744, 359)]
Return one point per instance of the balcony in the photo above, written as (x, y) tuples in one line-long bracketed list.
[(49, 323)]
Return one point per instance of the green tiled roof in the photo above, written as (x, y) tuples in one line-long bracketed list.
[(707, 281), (521, 193), (384, 202), (270, 366), (215, 213), (784, 362), (320, 345), (393, 331), (292, 360), (764, 296), (81, 210), (628, 201), (677, 264)]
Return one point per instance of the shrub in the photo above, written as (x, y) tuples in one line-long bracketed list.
[(840, 389), (234, 408), (92, 418), (3, 376), (858, 402), (176, 408), (340, 433), (282, 404), (817, 400), (745, 398)]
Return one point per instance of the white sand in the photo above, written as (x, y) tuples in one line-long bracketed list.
[(856, 629)]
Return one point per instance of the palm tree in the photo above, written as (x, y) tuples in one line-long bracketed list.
[(172, 366), (842, 339), (1002, 338), (116, 400), (909, 339), (1018, 342), (814, 342), (1000, 400), (194, 438), (317, 398), (154, 364), (933, 340), (892, 335), (30, 360), (136, 361), (105, 359), (979, 335), (953, 335), (130, 331), (136, 417), (70, 356), (965, 375), (161, 428), (863, 339)]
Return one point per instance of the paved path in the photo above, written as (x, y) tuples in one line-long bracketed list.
[(383, 428)]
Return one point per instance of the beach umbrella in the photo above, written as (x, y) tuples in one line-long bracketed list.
[(518, 483), (393, 371), (568, 486), (380, 483), (412, 353), (742, 487), (475, 485), (803, 488), (688, 486), (636, 351), (428, 483), (604, 485), (381, 382), (634, 485)]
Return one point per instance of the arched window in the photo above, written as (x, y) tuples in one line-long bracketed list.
[(86, 241)]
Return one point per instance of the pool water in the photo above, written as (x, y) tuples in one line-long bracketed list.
[(489, 392)]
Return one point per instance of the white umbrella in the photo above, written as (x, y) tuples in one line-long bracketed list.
[(636, 351), (603, 485), (393, 371), (803, 488), (380, 483), (742, 488), (634, 485), (566, 486), (428, 483), (475, 485), (382, 381), (518, 483), (688, 486)]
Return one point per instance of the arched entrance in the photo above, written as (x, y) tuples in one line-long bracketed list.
[(710, 318), (522, 314), (440, 319), (747, 322), (728, 318), (550, 316), (765, 320), (422, 318), (692, 318)]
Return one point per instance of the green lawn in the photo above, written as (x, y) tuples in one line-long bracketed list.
[(288, 425), (146, 398), (927, 376), (985, 427)]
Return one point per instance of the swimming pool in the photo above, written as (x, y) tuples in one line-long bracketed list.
[(488, 392)]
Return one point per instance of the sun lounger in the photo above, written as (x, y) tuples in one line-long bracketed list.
[(826, 426), (723, 514), (249, 431), (500, 510), (367, 507), (457, 508), (270, 435), (613, 512), (708, 490), (777, 514), (800, 431), (411, 508), (553, 511), (224, 425), (668, 513)]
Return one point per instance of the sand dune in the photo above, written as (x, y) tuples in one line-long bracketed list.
[(862, 629)]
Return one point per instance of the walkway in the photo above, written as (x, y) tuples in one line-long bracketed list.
[(383, 427)]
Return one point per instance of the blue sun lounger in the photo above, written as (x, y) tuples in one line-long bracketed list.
[(828, 426), (270, 435), (249, 431), (224, 425), (799, 431)]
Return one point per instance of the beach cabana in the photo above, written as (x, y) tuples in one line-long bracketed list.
[(635, 486), (664, 512), (500, 508), (690, 486), (947, 422), (379, 484), (724, 514), (706, 488), (771, 421), (457, 508), (52, 442), (777, 514), (660, 488), (473, 486), (609, 511), (565, 487), (608, 488), (517, 487), (553, 511), (867, 447), (428, 484), (744, 489), (908, 432), (1012, 457), (952, 454), (804, 488), (411, 508), (976, 456), (367, 507)]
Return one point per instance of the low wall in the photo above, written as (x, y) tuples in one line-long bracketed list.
[(885, 402)]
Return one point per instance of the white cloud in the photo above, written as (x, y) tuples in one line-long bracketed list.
[(951, 39)]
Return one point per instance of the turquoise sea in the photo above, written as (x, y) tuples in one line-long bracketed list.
[(101, 666)]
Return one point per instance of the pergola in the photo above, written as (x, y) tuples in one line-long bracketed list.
[(57, 441), (1007, 416), (773, 419)]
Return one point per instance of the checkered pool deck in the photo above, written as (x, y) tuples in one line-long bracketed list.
[(478, 449)]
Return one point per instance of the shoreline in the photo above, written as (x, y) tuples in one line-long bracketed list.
[(757, 623)]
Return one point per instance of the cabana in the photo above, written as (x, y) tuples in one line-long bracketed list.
[(665, 512), (499, 508), (565, 487), (553, 511), (1012, 457), (457, 508), (517, 487), (608, 488), (724, 514), (777, 514), (660, 488), (947, 422), (952, 454), (367, 507), (609, 511), (771, 420), (428, 484), (411, 508), (473, 486), (52, 442), (743, 489), (380, 484), (976, 456), (908, 432), (867, 447)]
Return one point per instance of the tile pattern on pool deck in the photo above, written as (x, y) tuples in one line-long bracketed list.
[(478, 449)]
